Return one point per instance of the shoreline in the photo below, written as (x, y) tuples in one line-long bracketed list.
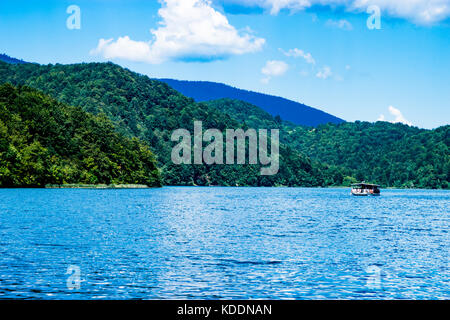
[(139, 186), (97, 186)]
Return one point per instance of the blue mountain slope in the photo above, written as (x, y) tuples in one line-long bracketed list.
[(8, 59), (287, 109)]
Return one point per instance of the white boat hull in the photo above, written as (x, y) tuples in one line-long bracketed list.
[(360, 194), (365, 194)]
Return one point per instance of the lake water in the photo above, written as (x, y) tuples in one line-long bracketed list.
[(224, 243)]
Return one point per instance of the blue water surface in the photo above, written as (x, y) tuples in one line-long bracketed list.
[(224, 243)]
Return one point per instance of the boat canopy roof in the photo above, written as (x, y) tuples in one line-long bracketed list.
[(363, 184)]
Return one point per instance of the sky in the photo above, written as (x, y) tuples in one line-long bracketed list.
[(364, 60)]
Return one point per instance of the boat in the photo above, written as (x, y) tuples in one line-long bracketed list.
[(365, 189)]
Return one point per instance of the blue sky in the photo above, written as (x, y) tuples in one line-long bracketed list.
[(322, 55)]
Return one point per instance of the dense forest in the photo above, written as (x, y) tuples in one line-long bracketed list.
[(393, 155), (150, 110), (43, 141)]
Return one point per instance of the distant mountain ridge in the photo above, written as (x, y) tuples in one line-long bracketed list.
[(11, 60), (289, 110), (202, 91)]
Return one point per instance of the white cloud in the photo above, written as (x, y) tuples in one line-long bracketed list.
[(341, 24), (398, 117), (418, 11), (321, 73), (324, 73), (296, 53), (273, 68), (189, 30)]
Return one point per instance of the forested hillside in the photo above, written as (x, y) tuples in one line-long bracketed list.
[(151, 110), (389, 154), (393, 155), (43, 141)]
